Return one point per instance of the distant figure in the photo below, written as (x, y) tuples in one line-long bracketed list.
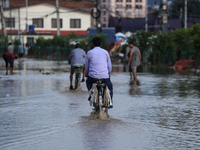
[(77, 56), (134, 59), (26, 49), (130, 70), (10, 48), (20, 52), (9, 58)]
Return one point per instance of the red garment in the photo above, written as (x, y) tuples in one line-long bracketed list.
[(11, 56)]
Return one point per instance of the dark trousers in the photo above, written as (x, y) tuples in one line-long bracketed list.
[(7, 59), (90, 81)]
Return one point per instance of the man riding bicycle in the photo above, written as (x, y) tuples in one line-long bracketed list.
[(77, 56), (98, 66)]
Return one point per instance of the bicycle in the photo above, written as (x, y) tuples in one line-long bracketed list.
[(78, 69), (99, 97)]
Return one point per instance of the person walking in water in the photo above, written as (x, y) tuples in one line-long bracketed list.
[(20, 52), (9, 58), (10, 48), (26, 49), (98, 66), (134, 59), (77, 56)]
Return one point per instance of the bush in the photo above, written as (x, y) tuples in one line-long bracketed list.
[(195, 37)]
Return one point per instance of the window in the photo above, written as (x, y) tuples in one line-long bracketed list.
[(104, 25), (128, 0), (10, 22), (104, 19), (119, 6), (138, 6), (104, 6), (128, 13), (128, 6), (119, 12), (54, 23), (138, 13), (138, 0), (38, 22), (30, 41), (75, 23), (104, 1), (104, 13), (119, 0)]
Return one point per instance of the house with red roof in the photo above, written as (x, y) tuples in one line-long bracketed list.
[(42, 18)]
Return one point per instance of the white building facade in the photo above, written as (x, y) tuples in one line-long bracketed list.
[(44, 18)]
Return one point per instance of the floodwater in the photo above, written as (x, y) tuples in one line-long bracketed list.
[(38, 112)]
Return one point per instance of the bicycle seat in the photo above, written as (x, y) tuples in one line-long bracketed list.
[(100, 83)]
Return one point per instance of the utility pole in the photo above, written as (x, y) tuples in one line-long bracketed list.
[(185, 20), (27, 29), (11, 25), (3, 23), (19, 22), (58, 18), (98, 20), (146, 19), (164, 16), (181, 14)]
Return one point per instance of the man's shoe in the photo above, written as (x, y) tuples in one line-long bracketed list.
[(71, 87), (83, 80)]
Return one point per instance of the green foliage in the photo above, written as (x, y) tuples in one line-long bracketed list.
[(102, 36), (16, 42), (40, 41), (195, 36), (63, 41), (141, 38), (132, 38), (163, 43), (124, 48), (3, 40), (60, 40), (182, 39)]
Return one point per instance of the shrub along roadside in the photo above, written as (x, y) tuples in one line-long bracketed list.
[(163, 47), (59, 47)]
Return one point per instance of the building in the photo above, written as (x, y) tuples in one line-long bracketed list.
[(83, 4), (44, 19), (122, 8)]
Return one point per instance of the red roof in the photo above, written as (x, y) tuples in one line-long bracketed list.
[(83, 9), (84, 6)]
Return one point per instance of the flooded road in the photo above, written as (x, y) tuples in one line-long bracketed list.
[(37, 110)]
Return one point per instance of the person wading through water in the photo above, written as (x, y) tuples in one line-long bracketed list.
[(134, 59)]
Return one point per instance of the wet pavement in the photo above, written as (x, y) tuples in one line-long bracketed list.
[(37, 110)]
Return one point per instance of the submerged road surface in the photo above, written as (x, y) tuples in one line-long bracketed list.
[(38, 112)]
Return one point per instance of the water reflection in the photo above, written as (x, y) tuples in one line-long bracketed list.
[(135, 87), (96, 134), (21, 65)]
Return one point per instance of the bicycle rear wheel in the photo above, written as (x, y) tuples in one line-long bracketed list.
[(77, 81)]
